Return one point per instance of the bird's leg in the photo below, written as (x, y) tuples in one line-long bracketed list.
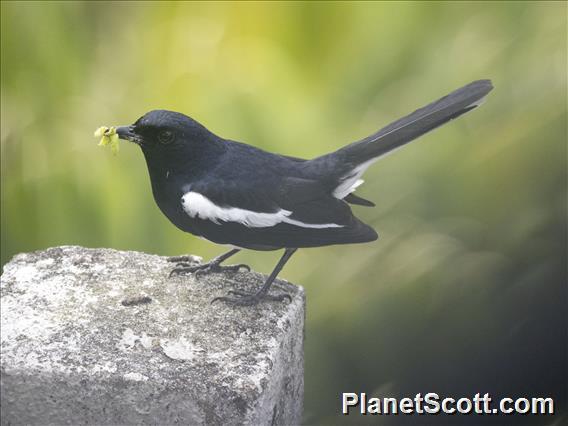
[(214, 265), (245, 299)]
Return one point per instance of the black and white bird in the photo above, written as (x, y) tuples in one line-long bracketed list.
[(232, 193)]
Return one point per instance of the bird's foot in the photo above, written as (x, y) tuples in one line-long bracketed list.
[(247, 299), (184, 259), (205, 268)]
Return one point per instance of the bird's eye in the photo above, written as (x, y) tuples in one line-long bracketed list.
[(166, 136)]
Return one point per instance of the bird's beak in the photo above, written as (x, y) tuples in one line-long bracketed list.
[(127, 133)]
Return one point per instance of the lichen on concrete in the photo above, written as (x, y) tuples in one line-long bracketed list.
[(72, 352)]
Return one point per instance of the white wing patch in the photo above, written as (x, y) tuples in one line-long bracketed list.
[(198, 206)]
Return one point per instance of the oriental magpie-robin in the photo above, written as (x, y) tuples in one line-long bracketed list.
[(232, 193)]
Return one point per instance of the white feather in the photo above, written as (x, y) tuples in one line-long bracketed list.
[(310, 225), (352, 180), (198, 206)]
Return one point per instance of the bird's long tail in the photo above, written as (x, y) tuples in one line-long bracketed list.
[(352, 160), (418, 123)]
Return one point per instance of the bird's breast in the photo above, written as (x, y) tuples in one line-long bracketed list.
[(167, 192)]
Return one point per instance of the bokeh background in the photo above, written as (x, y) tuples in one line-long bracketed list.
[(464, 292)]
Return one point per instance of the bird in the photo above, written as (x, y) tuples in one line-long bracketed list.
[(239, 195)]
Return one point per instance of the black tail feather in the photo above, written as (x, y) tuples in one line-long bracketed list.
[(355, 199), (416, 124)]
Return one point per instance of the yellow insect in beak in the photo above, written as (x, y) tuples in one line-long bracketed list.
[(108, 136)]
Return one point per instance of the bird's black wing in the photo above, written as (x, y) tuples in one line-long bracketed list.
[(282, 212)]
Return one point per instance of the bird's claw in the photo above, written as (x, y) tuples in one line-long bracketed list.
[(183, 259), (206, 268), (247, 299), (216, 268), (184, 265)]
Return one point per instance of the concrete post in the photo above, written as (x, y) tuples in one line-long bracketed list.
[(98, 336)]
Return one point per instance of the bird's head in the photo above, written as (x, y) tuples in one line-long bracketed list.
[(172, 141), (161, 129)]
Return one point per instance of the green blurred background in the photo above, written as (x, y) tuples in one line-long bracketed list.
[(464, 292)]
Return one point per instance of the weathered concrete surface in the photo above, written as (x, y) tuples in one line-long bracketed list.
[(72, 353)]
